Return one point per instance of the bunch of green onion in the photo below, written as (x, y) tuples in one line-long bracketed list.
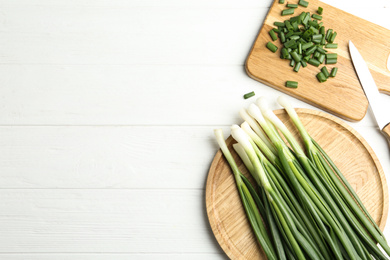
[(304, 40), (302, 207)]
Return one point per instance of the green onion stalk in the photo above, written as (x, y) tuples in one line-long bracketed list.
[(247, 200), (338, 185)]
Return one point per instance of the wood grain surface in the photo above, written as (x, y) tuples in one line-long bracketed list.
[(342, 95), (344, 145)]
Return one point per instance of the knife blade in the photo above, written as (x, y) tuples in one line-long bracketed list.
[(380, 110)]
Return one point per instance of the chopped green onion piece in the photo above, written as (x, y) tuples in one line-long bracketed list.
[(331, 55), (297, 66), (306, 58), (311, 50), (331, 39), (279, 24), (291, 84), (292, 63), (317, 38), (303, 3), (331, 61), (307, 45), (288, 25), (325, 71), (299, 48), (316, 16), (273, 35), (290, 44), (322, 30), (295, 56), (301, 17), (294, 37), (306, 19), (284, 53), (288, 11), (289, 34), (272, 47), (282, 37), (313, 62), (319, 48), (321, 58), (248, 95), (281, 1), (333, 72), (304, 64), (320, 10), (323, 40), (321, 77), (316, 54), (292, 5), (328, 33), (331, 45)]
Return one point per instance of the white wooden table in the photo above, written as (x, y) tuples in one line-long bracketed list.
[(107, 111)]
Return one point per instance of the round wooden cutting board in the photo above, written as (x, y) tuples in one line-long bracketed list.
[(344, 145)]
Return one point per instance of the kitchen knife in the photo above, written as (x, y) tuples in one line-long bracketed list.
[(380, 110)]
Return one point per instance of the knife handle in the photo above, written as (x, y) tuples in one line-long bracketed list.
[(386, 132)]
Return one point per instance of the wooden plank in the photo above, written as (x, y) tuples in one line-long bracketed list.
[(105, 221), (120, 35), (105, 157), (124, 95), (116, 256), (117, 35)]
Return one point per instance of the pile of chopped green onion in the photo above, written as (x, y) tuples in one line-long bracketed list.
[(302, 207), (305, 41)]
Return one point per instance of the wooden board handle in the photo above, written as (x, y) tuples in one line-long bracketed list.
[(386, 132)]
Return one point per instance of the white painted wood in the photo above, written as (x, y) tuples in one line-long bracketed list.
[(127, 95), (118, 221), (116, 256), (105, 157)]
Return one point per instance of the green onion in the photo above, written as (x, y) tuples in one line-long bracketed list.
[(320, 10), (291, 84), (331, 45), (328, 34), (281, 1), (292, 62), (297, 66), (247, 200), (325, 71), (307, 45), (332, 37), (321, 58), (303, 3), (331, 61), (292, 5), (248, 95), (272, 47), (288, 11), (282, 37), (273, 35), (279, 24), (304, 64), (316, 16), (314, 62), (295, 56), (321, 77), (333, 72), (331, 55)]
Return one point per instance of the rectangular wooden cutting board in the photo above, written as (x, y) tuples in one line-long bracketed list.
[(342, 95)]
